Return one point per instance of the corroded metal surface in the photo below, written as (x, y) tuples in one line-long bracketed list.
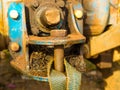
[(41, 20), (70, 39), (58, 33), (44, 17), (59, 57), (59, 50), (51, 16)]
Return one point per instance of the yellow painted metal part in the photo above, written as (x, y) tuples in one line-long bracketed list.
[(113, 16), (2, 36), (5, 21), (116, 54), (106, 41), (113, 81), (118, 14)]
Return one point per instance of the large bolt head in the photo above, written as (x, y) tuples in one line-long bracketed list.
[(14, 14), (52, 16)]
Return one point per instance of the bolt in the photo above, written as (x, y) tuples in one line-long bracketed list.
[(14, 46), (52, 16), (78, 13), (14, 14), (35, 4)]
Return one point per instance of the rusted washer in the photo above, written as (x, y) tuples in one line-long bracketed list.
[(58, 33)]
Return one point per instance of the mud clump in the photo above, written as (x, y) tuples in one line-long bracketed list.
[(38, 63), (77, 62)]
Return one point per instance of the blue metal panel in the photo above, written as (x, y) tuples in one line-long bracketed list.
[(15, 25)]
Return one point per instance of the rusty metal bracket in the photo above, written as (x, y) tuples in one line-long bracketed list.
[(70, 39)]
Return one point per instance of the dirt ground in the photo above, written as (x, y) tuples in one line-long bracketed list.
[(10, 79)]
